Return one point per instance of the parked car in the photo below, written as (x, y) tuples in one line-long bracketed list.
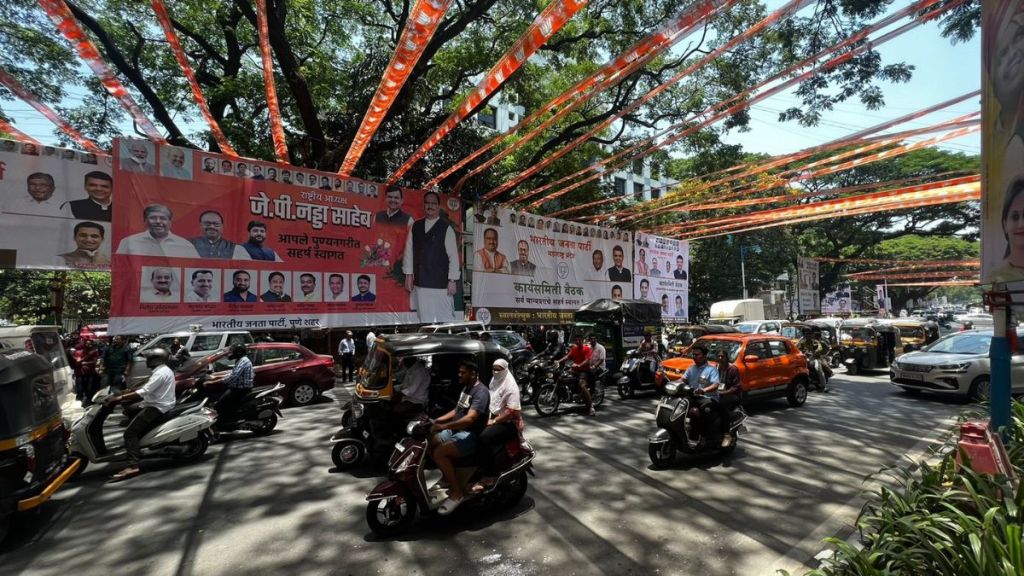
[(955, 364), (518, 347), (453, 328), (198, 344), (770, 365), (305, 375)]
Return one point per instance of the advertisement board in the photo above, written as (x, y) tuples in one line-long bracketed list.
[(838, 301), (808, 295), (661, 274), (204, 239), (528, 269), (55, 208)]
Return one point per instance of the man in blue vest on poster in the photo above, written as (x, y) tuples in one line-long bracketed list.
[(431, 263)]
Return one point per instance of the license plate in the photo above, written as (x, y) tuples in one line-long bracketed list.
[(910, 376)]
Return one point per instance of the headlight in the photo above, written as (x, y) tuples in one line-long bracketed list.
[(957, 367), (357, 409), (680, 409), (404, 463), (671, 388)]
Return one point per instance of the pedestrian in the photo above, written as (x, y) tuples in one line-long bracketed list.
[(347, 351), (115, 365)]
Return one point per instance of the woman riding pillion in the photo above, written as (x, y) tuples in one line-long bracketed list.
[(505, 422)]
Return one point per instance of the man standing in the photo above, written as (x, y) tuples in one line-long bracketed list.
[(488, 259), (137, 159), (276, 291), (174, 167), (364, 295), (618, 273), (307, 288), (240, 291), (458, 432), (157, 240), (679, 273), (336, 286), (393, 214), (162, 286), (115, 364), (212, 243), (522, 265), (88, 239), (100, 188), (157, 396), (347, 352), (431, 263), (202, 287), (38, 200), (254, 246)]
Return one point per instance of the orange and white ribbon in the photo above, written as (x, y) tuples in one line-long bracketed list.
[(547, 23), (273, 107), (8, 128), (29, 98), (162, 16), (423, 20), (66, 23)]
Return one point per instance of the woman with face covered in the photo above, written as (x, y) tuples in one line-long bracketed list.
[(505, 422)]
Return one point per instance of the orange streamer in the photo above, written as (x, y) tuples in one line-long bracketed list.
[(273, 108), (29, 98), (8, 128)]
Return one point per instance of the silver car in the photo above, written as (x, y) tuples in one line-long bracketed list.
[(955, 364)]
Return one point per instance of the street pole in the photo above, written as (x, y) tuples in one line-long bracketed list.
[(999, 352), (743, 273)]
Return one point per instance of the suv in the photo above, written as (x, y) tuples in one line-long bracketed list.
[(198, 344), (453, 328), (770, 365)]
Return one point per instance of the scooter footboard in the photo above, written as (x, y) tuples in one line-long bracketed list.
[(386, 489)]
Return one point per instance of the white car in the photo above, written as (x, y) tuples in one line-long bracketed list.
[(955, 364), (759, 326)]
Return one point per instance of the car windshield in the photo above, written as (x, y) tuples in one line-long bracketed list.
[(746, 328), (966, 343), (377, 368), (716, 347)]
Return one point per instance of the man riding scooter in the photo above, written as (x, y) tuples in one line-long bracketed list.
[(458, 432), (238, 383), (703, 378), (157, 396), (814, 349), (580, 354)]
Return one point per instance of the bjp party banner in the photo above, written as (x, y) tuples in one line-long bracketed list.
[(531, 269), (1002, 141), (55, 208), (808, 295), (234, 244), (661, 274)]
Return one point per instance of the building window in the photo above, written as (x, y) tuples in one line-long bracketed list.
[(655, 192), (620, 187), (638, 166), (638, 191), (487, 118), (511, 116)]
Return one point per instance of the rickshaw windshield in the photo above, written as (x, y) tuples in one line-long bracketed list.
[(27, 404), (792, 331), (856, 335), (907, 332), (717, 347), (377, 367)]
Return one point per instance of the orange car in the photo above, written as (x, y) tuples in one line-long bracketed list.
[(770, 364)]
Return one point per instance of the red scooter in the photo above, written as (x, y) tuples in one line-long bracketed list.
[(392, 505)]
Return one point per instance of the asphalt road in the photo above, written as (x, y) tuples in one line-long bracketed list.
[(274, 506)]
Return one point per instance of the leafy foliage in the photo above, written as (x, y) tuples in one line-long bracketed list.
[(26, 297)]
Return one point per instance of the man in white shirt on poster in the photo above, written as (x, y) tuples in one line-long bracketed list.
[(431, 263), (157, 240)]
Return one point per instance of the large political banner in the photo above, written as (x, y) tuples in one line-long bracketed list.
[(808, 294), (528, 269), (1002, 141), (229, 244), (839, 301), (661, 274), (55, 208)]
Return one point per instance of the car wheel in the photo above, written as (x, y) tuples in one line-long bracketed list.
[(662, 454), (546, 400), (302, 394), (981, 389), (390, 516), (347, 454), (797, 393)]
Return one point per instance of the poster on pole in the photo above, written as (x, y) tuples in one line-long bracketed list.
[(838, 302), (204, 239), (529, 269), (55, 208), (661, 274), (808, 294), (1002, 141)]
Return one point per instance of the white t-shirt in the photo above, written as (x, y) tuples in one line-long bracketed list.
[(158, 391)]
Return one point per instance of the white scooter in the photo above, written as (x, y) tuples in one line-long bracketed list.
[(183, 434)]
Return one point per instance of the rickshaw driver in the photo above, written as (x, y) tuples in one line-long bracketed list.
[(413, 390)]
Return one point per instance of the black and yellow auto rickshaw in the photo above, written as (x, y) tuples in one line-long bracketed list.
[(866, 344), (368, 424), (913, 334), (34, 460), (620, 325)]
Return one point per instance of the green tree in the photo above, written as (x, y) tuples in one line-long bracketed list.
[(26, 296)]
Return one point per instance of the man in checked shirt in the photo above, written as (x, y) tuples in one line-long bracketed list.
[(238, 383)]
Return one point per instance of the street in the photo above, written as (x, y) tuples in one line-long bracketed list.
[(273, 505)]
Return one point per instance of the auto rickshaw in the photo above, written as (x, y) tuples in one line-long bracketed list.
[(620, 325), (368, 424), (34, 460), (913, 334), (866, 344)]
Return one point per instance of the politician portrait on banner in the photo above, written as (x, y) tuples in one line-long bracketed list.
[(661, 272)]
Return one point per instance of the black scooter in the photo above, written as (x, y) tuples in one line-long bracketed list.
[(561, 385), (682, 418), (257, 413), (637, 374)]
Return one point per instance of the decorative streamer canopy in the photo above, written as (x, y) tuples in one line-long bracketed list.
[(29, 98)]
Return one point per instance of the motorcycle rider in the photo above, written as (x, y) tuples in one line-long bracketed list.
[(814, 350), (457, 433), (648, 350), (580, 354), (703, 378), (238, 383), (730, 395), (157, 396)]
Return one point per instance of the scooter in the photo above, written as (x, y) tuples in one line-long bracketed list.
[(393, 504), (561, 385), (183, 434), (257, 413), (681, 417), (637, 374)]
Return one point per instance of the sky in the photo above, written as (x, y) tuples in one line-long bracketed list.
[(942, 71)]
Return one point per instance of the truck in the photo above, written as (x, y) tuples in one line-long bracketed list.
[(732, 311)]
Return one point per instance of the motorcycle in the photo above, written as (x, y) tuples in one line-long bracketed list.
[(637, 374), (819, 373), (184, 433), (531, 373), (561, 385), (258, 412), (681, 416), (393, 504)]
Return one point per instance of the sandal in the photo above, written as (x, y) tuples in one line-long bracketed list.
[(448, 506), (130, 472)]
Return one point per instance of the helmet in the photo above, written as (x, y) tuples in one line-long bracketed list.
[(237, 351), (156, 357)]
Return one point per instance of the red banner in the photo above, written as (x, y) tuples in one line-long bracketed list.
[(232, 244)]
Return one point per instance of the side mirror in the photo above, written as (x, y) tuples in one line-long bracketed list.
[(751, 359)]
